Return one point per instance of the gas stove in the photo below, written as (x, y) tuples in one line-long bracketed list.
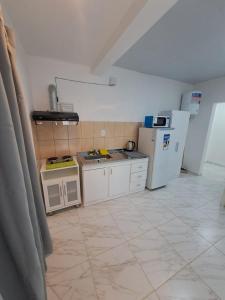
[(55, 160)]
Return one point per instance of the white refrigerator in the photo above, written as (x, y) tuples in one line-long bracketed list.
[(179, 120), (156, 143)]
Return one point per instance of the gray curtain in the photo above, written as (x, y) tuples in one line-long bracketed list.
[(24, 235)]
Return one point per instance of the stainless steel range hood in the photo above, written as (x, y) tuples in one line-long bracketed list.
[(55, 116)]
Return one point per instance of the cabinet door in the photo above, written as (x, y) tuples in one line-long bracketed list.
[(95, 185), (53, 195), (119, 180), (71, 190)]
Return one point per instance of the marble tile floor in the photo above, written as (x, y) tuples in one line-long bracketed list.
[(163, 245)]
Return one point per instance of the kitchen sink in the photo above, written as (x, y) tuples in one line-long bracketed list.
[(97, 157)]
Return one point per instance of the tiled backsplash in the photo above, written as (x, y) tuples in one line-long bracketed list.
[(55, 139)]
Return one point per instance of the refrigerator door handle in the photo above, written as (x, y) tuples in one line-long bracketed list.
[(176, 146)]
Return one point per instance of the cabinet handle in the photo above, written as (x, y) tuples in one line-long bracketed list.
[(104, 172), (111, 171)]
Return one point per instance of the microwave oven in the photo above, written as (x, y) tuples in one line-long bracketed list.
[(157, 121)]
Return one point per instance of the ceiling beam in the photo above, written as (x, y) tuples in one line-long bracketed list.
[(141, 17)]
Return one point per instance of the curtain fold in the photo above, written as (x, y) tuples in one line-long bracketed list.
[(24, 235)]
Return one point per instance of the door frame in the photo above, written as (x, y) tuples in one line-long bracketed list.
[(209, 132)]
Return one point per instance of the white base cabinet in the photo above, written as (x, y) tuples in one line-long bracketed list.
[(111, 180), (61, 187), (95, 185), (119, 180)]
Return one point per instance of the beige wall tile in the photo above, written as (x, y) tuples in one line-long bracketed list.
[(51, 140), (110, 128), (115, 143), (131, 129), (119, 129), (74, 131), (99, 143), (123, 142), (110, 143), (34, 130), (87, 129), (61, 147), (87, 144), (35, 140), (74, 146), (45, 131), (98, 126), (60, 131), (37, 149), (47, 149)]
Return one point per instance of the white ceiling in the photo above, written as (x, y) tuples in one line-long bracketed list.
[(69, 30), (187, 44)]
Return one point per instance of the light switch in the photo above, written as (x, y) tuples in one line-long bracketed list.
[(103, 132)]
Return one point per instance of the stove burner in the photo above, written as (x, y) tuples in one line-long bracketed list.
[(54, 159), (67, 158)]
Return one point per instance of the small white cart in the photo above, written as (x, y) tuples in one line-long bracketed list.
[(61, 186)]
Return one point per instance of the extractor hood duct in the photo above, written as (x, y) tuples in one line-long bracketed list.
[(54, 114)]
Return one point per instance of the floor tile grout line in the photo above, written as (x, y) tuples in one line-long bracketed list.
[(211, 245), (91, 270), (188, 264), (125, 242), (192, 231), (87, 259), (154, 290), (196, 231), (52, 288), (219, 250), (136, 257), (142, 233), (137, 261), (90, 257)]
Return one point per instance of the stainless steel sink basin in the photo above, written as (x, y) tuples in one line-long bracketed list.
[(97, 157)]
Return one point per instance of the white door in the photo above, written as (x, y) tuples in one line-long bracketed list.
[(71, 190), (119, 180), (95, 185), (161, 163), (53, 194)]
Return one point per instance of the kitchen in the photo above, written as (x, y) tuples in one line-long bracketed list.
[(114, 169), (108, 182)]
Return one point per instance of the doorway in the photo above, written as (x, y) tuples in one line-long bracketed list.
[(214, 162)]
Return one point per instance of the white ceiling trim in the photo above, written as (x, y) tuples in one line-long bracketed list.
[(141, 18)]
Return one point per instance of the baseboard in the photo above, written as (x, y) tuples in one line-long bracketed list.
[(216, 164)]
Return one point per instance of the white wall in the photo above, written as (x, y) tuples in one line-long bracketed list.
[(21, 60), (198, 133), (134, 96), (216, 144)]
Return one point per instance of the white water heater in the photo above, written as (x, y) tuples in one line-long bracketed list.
[(191, 101)]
